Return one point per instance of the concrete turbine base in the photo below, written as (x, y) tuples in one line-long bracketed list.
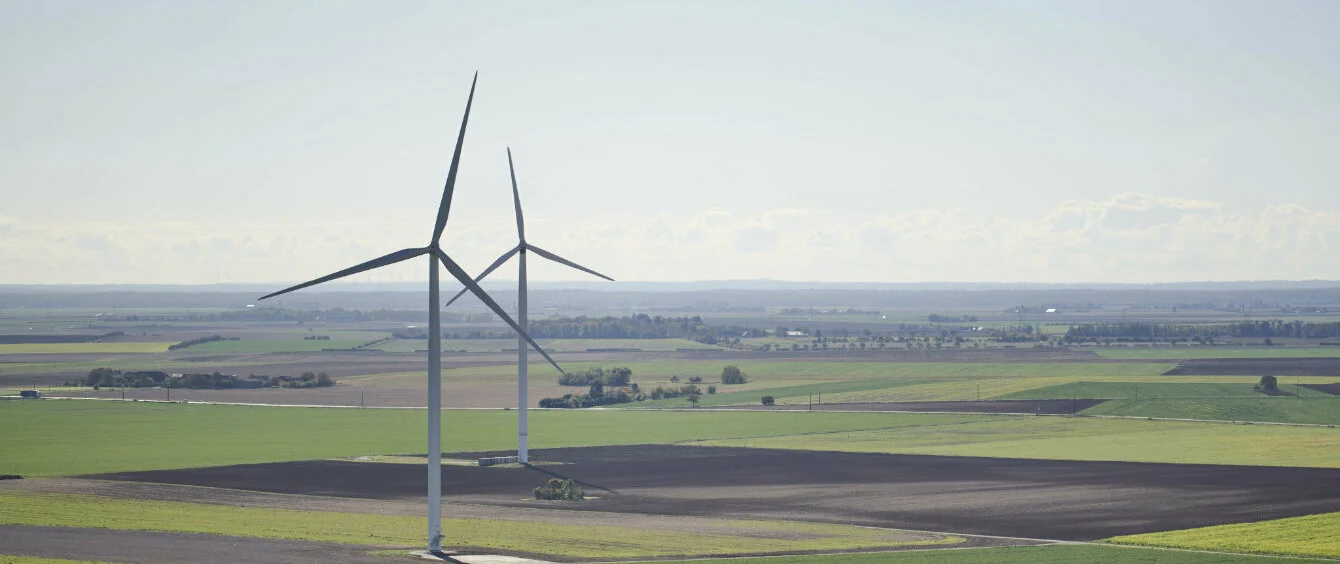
[(475, 558)]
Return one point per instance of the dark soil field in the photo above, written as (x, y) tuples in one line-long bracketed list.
[(1008, 497), (1258, 367), (1045, 407), (1333, 389)]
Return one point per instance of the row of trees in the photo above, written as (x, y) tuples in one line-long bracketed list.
[(640, 326), (107, 377), (937, 318), (200, 341), (615, 377), (1199, 333)]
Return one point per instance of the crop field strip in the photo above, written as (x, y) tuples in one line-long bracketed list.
[(1312, 535), (569, 541)]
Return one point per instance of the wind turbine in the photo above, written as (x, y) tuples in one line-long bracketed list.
[(435, 254), (522, 427)]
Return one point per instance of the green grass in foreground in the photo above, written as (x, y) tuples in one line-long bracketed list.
[(1313, 535), (1051, 554), (8, 559), (1217, 352), (562, 540), (65, 437), (1312, 410), (1081, 438)]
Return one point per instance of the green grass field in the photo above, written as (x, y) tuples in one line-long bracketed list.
[(66, 437), (1313, 535), (562, 540), (1081, 438), (1122, 390), (1051, 554), (1216, 352), (252, 346), (1318, 410), (10, 559), (77, 348)]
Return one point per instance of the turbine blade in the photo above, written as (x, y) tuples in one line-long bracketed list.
[(497, 263), (561, 260), (516, 197), (401, 255), (445, 207), (463, 278)]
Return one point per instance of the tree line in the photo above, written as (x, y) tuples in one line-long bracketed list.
[(111, 378), (1200, 333)]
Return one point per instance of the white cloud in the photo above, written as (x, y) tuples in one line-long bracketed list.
[(1129, 237)]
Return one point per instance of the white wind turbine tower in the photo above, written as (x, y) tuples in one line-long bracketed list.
[(435, 254), (522, 427)]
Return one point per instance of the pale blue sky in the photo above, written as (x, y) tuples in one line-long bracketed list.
[(833, 141)]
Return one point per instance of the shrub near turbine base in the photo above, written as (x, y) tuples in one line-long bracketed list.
[(559, 489)]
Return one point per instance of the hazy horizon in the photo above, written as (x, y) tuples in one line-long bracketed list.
[(976, 142)]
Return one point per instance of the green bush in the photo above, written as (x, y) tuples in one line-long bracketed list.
[(769, 400), (731, 375), (1268, 383), (559, 489)]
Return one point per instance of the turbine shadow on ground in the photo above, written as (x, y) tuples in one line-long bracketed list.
[(581, 483)]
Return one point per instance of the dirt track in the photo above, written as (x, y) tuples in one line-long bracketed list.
[(1009, 497)]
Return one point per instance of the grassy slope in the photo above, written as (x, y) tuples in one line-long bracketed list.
[(1054, 554), (1314, 410), (1066, 438), (1313, 535), (64, 437), (570, 541)]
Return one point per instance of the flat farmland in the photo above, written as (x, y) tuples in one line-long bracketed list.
[(1081, 438), (83, 348), (550, 345), (977, 496), (1323, 410), (1189, 353), (64, 437)]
